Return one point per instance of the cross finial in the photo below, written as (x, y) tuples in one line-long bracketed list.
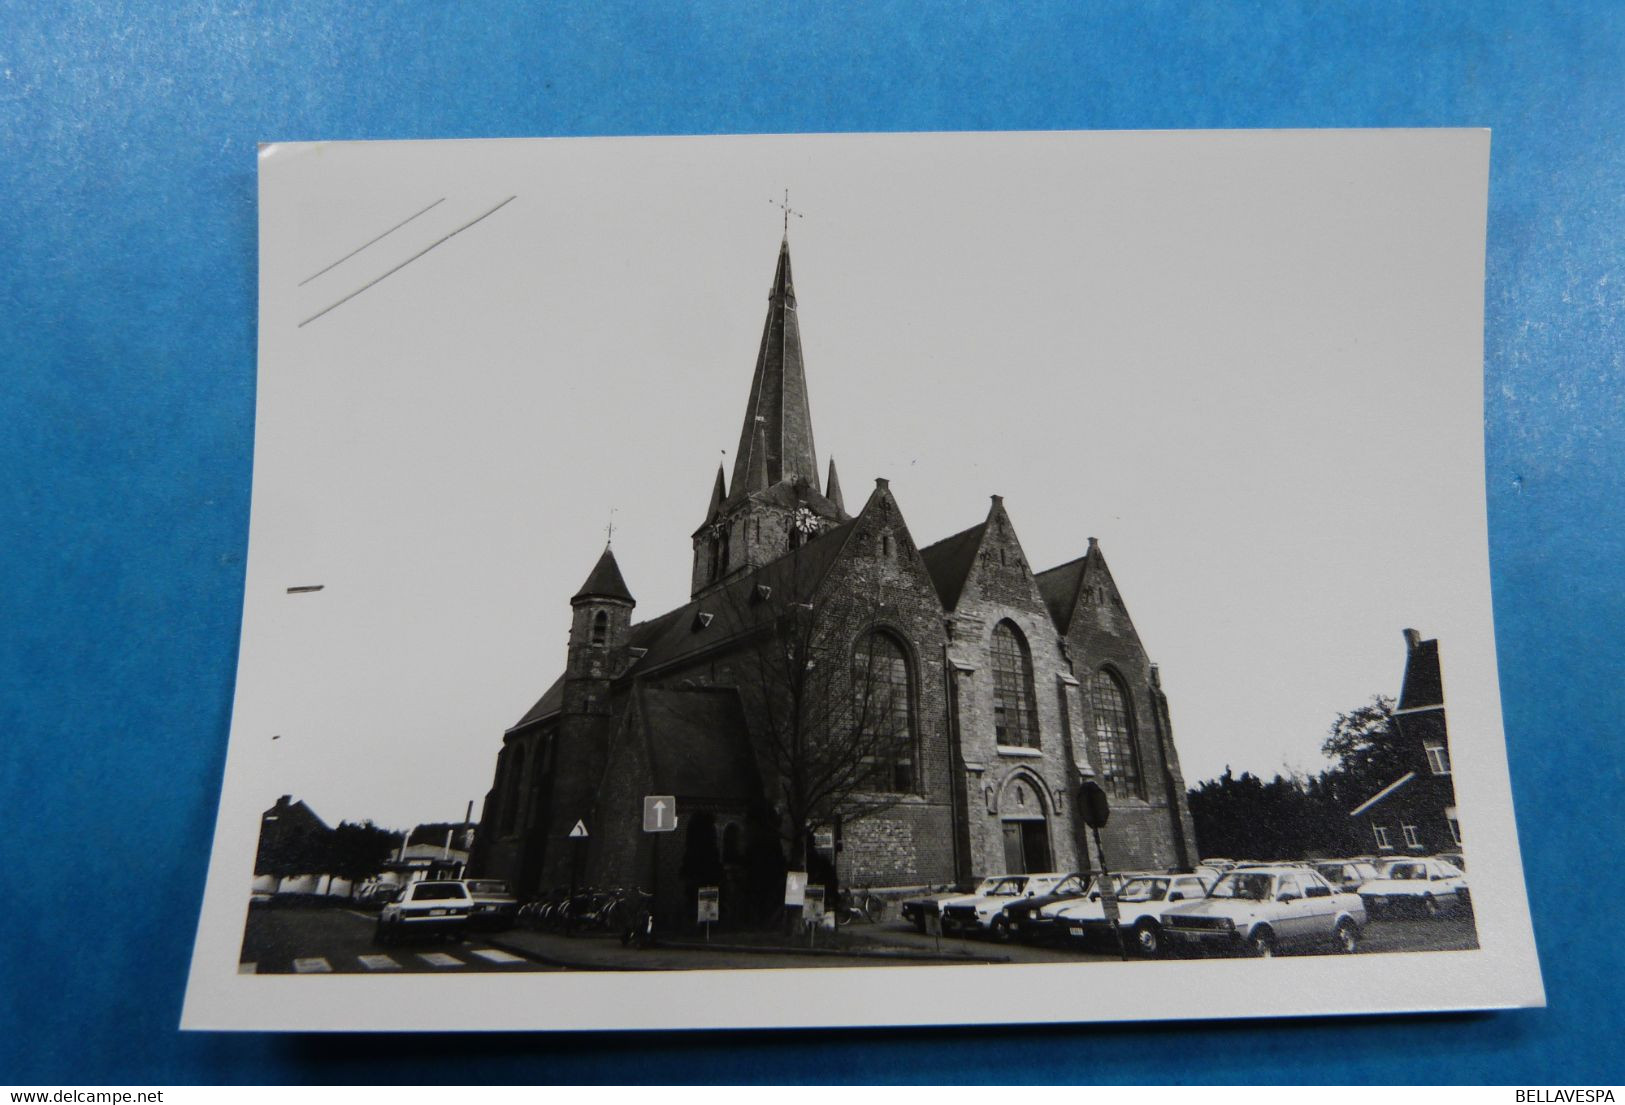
[(787, 209), (609, 529)]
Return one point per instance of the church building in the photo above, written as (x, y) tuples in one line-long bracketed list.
[(836, 697)]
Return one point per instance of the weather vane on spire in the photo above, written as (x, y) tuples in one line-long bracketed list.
[(784, 206), (609, 529)]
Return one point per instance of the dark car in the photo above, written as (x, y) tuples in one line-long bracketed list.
[(495, 906), (1021, 919)]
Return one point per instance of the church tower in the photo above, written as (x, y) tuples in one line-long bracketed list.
[(601, 616), (774, 501)]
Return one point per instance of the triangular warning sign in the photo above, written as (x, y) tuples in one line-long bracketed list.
[(580, 829)]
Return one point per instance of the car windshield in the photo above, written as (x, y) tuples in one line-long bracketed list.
[(1007, 888), (1243, 884), (1072, 884), (486, 886), (1407, 871), (1144, 890), (438, 891)]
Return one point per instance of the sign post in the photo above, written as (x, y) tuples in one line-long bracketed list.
[(578, 852), (812, 914), (709, 908), (1096, 811), (659, 816)]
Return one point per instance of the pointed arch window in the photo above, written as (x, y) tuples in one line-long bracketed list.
[(600, 628), (1114, 729), (883, 708), (1015, 715)]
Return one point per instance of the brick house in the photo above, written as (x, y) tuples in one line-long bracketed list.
[(1416, 813), (1002, 689)]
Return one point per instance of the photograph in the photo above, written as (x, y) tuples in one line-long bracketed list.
[(866, 579)]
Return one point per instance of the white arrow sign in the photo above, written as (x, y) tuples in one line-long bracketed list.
[(580, 830), (659, 813)]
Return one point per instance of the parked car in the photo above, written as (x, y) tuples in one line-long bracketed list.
[(975, 912), (375, 895), (1141, 902), (495, 906), (1021, 919), (1425, 886), (1347, 874), (915, 910), (441, 908), (1261, 910), (1458, 860)]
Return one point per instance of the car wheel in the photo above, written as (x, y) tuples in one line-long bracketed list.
[(1001, 929), (1148, 938), (1262, 944), (1430, 905), (1348, 937)]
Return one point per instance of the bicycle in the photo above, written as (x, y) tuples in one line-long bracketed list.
[(864, 906)]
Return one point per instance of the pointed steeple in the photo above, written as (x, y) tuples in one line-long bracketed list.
[(719, 492), (605, 582), (832, 488), (777, 436)]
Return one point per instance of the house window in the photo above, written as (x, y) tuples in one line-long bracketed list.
[(883, 707), (1119, 760), (1439, 759), (1454, 825), (1412, 838), (1382, 838), (1015, 717), (600, 628)]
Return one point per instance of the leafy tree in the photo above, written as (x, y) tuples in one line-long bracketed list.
[(359, 850), (1364, 751)]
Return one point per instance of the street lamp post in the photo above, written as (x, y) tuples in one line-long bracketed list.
[(1096, 811)]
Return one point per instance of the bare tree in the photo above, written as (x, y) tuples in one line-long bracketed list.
[(828, 696)]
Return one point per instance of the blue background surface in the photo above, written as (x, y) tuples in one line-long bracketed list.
[(127, 343)]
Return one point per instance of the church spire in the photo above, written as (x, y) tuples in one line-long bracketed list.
[(719, 492), (832, 488), (777, 435)]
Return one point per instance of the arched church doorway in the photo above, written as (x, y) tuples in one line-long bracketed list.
[(1026, 828)]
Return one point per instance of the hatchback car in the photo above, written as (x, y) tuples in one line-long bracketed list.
[(438, 908)]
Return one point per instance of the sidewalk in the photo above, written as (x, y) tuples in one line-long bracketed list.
[(683, 953)]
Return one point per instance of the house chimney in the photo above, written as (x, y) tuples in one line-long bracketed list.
[(1412, 639)]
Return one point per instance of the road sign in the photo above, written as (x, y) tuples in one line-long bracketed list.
[(659, 813), (813, 909), (1108, 899), (710, 908), (795, 887), (1096, 808), (580, 831)]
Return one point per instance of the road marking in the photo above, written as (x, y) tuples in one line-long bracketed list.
[(315, 965), (248, 968), (440, 959), (379, 963), (496, 956)]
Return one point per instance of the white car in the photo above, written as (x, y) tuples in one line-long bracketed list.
[(425, 907), (1347, 874), (1264, 909), (1425, 886), (975, 912), (1141, 903)]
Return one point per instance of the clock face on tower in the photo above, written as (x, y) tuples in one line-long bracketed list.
[(805, 521)]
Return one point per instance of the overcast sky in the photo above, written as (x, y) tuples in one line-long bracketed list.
[(1249, 363)]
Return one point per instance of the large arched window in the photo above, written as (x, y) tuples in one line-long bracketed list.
[(1114, 726), (600, 628), (1015, 718), (883, 706), (509, 814)]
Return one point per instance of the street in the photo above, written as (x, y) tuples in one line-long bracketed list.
[(339, 941)]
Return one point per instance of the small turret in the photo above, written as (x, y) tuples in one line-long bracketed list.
[(600, 621)]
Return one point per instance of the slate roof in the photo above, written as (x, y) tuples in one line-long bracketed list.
[(1059, 586), (672, 635), (776, 441), (1423, 686), (950, 560), (698, 744), (605, 582)]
